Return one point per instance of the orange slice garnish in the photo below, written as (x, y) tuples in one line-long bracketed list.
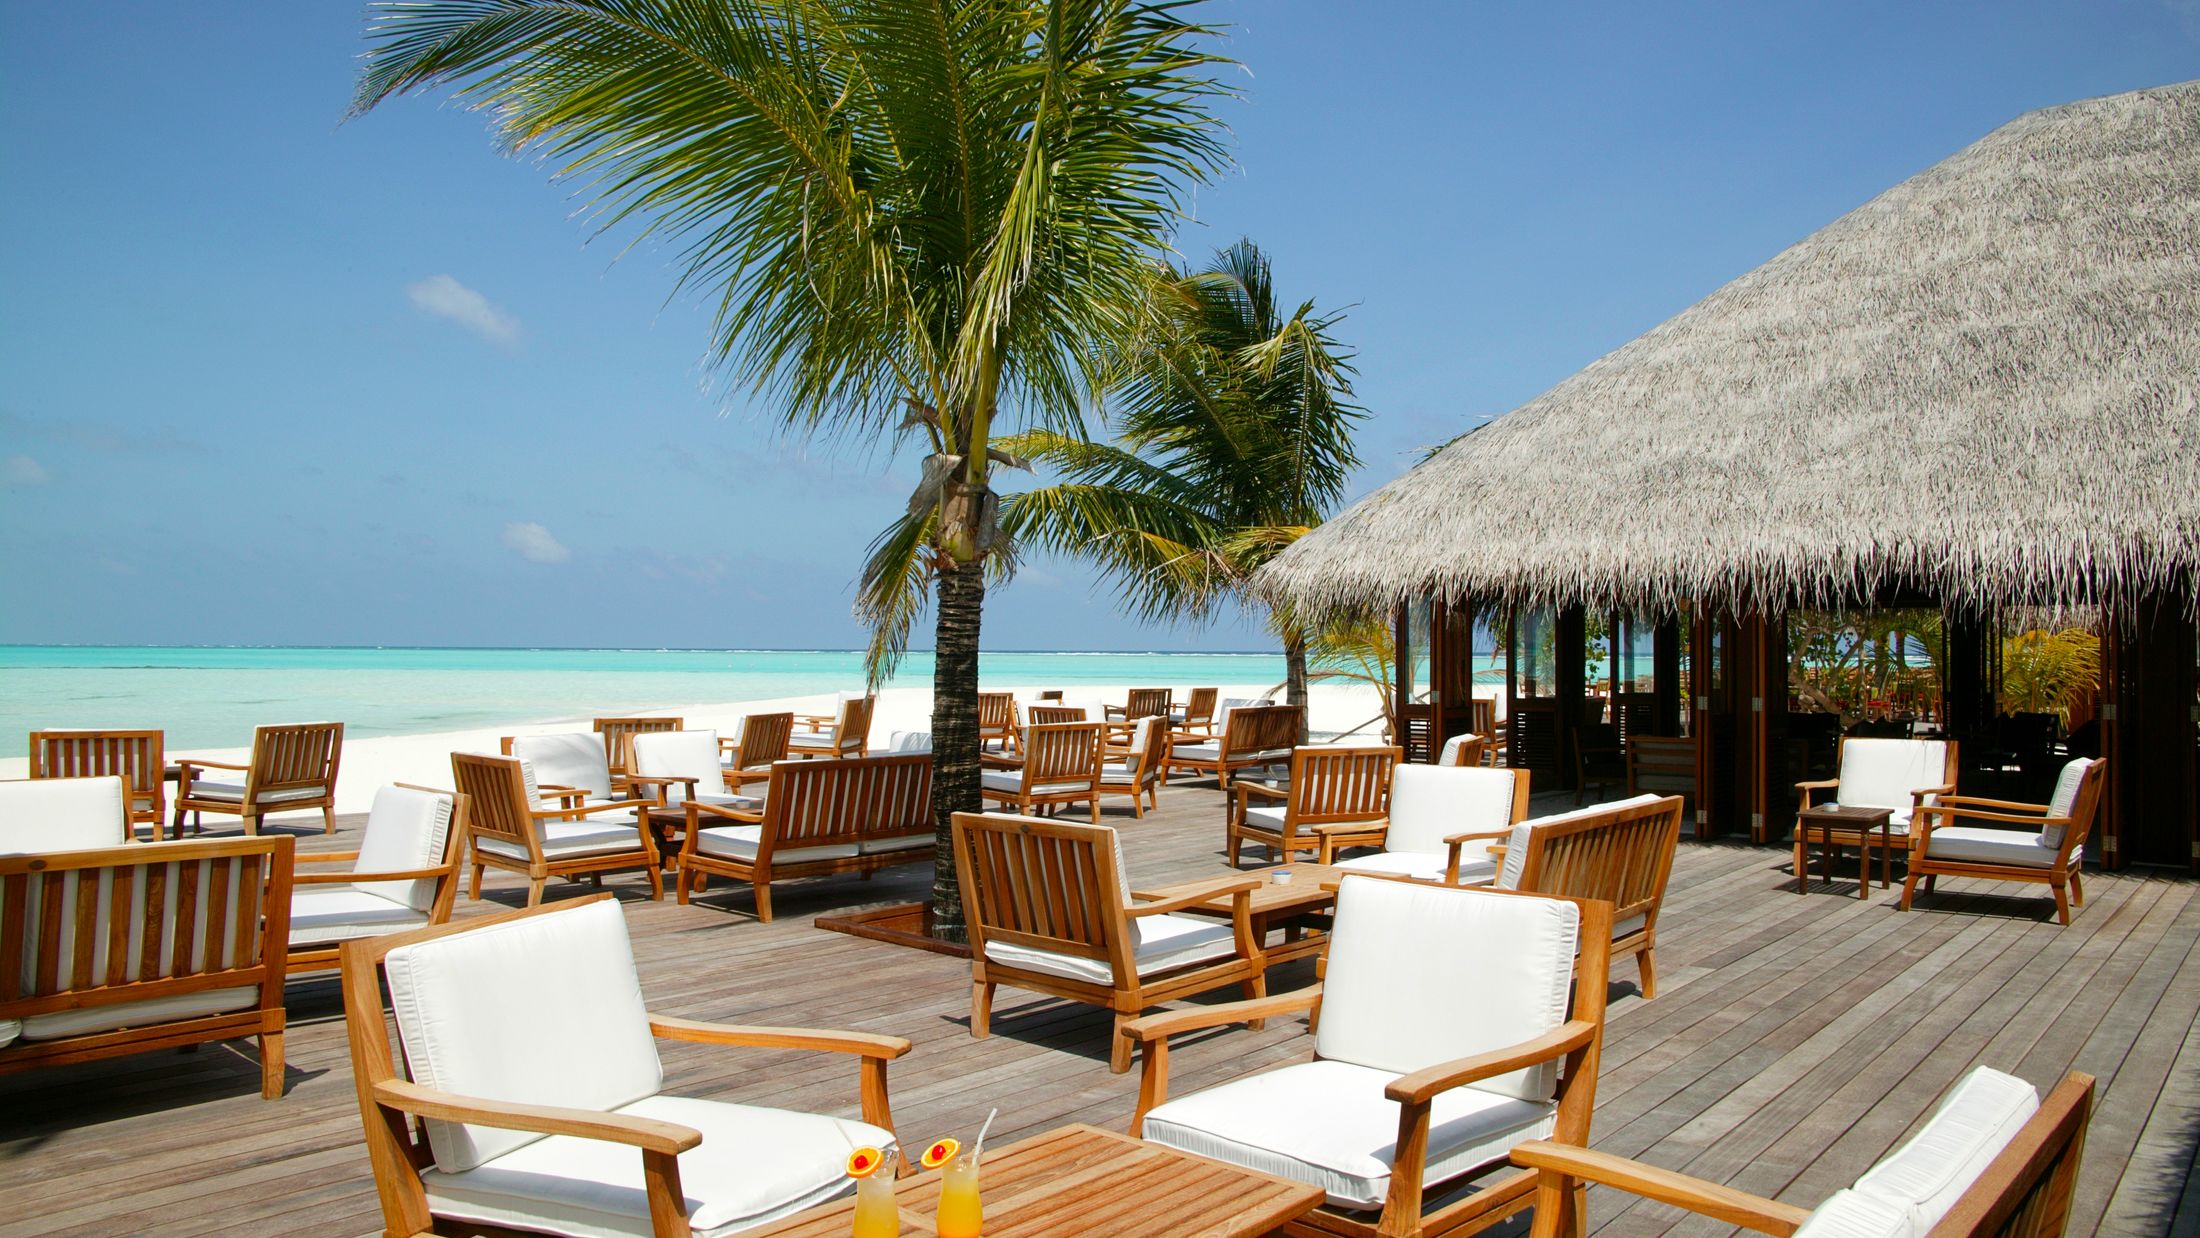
[(939, 1153), (863, 1162)]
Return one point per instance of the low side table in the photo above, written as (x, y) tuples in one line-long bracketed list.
[(1288, 905), (1081, 1180), (1834, 826)]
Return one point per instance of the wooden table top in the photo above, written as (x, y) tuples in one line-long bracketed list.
[(1847, 816), (1303, 892), (1083, 1180)]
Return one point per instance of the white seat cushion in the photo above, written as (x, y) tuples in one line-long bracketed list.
[(739, 842), (1429, 803), (1329, 1124), (1209, 751), (1850, 1214), (9, 1030), (1162, 943), (204, 789), (407, 830), (320, 914), (1270, 819), (1928, 1173), (1882, 773), (61, 814), (1012, 782), (565, 840), (1118, 774), (754, 1165), (89, 1019), (1977, 844), (506, 1011), (570, 759), (824, 740)]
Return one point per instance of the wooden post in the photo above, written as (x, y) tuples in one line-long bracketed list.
[(1569, 636), (1703, 689), (2148, 724), (1401, 672)]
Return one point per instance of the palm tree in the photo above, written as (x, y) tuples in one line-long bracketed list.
[(912, 216), (1234, 438)]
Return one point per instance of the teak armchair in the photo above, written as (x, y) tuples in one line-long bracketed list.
[(134, 756), (489, 1126), (1899, 775), (63, 814), (749, 755), (997, 720), (1048, 911), (1134, 769), (1253, 736), (1198, 713), (1443, 823), (819, 817), (1462, 750), (1052, 715), (507, 827), (618, 741), (1994, 1161), (1434, 1056), (844, 733), (403, 876), (1061, 765), (292, 767), (1141, 703), (1329, 787), (186, 947), (2048, 847), (1620, 854)]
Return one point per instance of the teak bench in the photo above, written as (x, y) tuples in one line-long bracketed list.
[(854, 815)]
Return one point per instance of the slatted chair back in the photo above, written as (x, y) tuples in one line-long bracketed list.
[(293, 757), (852, 730), (81, 930), (1661, 764), (855, 801), (1052, 715), (763, 739), (1463, 750), (1146, 703), (618, 739), (498, 798), (1620, 854), (996, 714), (1482, 715), (1062, 752), (136, 757), (1261, 728), (1340, 784), (1045, 885), (1199, 711)]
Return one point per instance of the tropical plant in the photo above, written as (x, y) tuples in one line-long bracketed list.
[(915, 218), (2049, 672), (1364, 649), (1233, 437)]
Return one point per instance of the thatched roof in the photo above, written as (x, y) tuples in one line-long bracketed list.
[(1983, 382)]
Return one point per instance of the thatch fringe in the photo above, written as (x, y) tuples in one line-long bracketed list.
[(1984, 382)]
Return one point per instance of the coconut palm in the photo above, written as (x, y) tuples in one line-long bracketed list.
[(915, 219), (1233, 438)]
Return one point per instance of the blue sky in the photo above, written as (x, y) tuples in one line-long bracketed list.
[(268, 377)]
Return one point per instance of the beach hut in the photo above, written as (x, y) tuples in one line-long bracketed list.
[(1978, 391)]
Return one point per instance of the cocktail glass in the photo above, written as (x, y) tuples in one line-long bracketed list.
[(877, 1216), (960, 1213)]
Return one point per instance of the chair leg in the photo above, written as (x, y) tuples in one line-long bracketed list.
[(252, 824), (1254, 990), (1236, 841), (1802, 870), (764, 902), (1646, 973), (1931, 882), (1096, 810), (680, 883), (981, 1009), (473, 892), (656, 883), (328, 818), (534, 892), (271, 1065), (1119, 1045), (2077, 889), (2062, 904), (1909, 889)]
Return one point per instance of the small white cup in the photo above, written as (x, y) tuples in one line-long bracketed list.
[(1281, 876)]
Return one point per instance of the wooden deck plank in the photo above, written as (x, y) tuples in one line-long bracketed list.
[(1795, 1040)]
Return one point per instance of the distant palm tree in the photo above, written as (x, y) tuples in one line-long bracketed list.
[(914, 217), (1233, 439)]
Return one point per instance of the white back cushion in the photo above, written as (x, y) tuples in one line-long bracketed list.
[(1429, 803), (406, 829), (1516, 847), (574, 759), (1450, 754), (62, 814), (681, 754), (909, 741), (1853, 1214), (1925, 1176), (1881, 773), (545, 1010), (2064, 800), (1414, 980)]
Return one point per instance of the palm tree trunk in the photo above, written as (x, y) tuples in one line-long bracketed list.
[(954, 732), (1294, 681)]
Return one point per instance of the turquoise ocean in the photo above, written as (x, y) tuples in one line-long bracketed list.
[(214, 696)]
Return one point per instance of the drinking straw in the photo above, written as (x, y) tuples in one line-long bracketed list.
[(980, 1145)]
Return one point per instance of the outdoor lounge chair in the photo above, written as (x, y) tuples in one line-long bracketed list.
[(532, 1098), (1061, 765), (1432, 1061), (749, 755), (1443, 823), (63, 814), (1462, 750), (1140, 703), (858, 815), (1082, 938), (1620, 854), (1251, 737), (1899, 775), (571, 766), (404, 876), (292, 768), (618, 739), (1329, 786), (146, 946), (1993, 1161), (997, 720), (1134, 769), (135, 756), (508, 827), (844, 733), (2048, 845), (1198, 713), (672, 768)]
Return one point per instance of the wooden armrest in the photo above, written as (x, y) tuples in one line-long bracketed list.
[(1376, 826), (1980, 814), (1418, 1087), (327, 857), (582, 810), (1823, 784), (409, 874), (816, 722), (1982, 802), (655, 780), (1921, 792), (1168, 1023), (1205, 891), (648, 1134), (205, 763), (746, 816), (863, 1044), (1724, 1203), (1475, 835)]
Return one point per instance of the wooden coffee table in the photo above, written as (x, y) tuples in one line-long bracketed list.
[(1289, 906), (1834, 826), (1083, 1180)]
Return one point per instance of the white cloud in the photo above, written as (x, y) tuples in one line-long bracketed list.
[(21, 471), (533, 543), (445, 297)]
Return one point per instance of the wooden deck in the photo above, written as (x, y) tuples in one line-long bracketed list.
[(1795, 1040)]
